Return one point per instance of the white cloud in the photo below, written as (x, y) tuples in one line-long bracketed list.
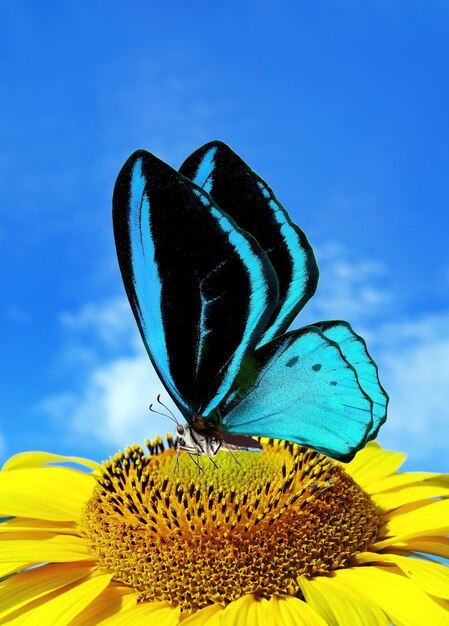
[(414, 367), (348, 288), (18, 315), (109, 322), (112, 405)]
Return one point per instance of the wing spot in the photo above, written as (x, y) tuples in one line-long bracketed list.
[(292, 361), (333, 383), (317, 367)]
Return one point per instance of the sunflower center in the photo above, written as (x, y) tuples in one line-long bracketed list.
[(200, 537)]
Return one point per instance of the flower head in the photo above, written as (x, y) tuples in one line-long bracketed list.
[(285, 536)]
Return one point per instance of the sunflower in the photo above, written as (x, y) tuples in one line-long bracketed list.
[(283, 537)]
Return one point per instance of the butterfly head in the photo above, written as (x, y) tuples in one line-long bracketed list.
[(181, 432)]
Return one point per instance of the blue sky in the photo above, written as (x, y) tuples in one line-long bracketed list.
[(340, 105)]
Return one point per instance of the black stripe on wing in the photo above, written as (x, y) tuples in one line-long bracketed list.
[(200, 288), (249, 200)]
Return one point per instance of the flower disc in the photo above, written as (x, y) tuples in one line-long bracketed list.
[(254, 524)]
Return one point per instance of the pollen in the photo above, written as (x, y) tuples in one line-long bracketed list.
[(253, 523)]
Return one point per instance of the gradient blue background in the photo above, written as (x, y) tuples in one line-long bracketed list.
[(342, 106)]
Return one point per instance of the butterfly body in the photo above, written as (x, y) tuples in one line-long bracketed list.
[(200, 439), (215, 271)]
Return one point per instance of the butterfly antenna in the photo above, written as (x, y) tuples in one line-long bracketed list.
[(166, 408), (170, 417)]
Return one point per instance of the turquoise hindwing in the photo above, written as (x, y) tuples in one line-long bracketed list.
[(353, 348), (300, 387)]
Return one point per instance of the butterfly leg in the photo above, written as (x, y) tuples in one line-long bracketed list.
[(212, 461), (192, 454), (190, 451), (196, 461), (230, 450), (178, 448)]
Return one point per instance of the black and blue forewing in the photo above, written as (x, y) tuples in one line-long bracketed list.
[(301, 388), (201, 289), (241, 193)]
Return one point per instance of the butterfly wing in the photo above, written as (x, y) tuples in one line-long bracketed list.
[(241, 193), (200, 288), (354, 350), (299, 387)]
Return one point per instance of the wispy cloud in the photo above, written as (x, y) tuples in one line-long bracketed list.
[(108, 323), (414, 361), (119, 382), (18, 315), (112, 407), (349, 288)]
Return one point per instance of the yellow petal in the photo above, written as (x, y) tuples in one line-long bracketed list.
[(259, 612), (289, 611), (23, 523), (406, 508), (438, 546), (398, 480), (373, 464), (286, 611), (52, 493), (37, 459), (19, 590), (8, 568), (433, 578), (42, 547), (238, 612), (396, 498), (430, 520), (339, 606), (61, 606), (210, 616), (115, 599), (401, 599), (144, 614), (442, 479), (443, 603)]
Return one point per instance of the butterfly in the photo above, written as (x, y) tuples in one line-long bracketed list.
[(215, 272)]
